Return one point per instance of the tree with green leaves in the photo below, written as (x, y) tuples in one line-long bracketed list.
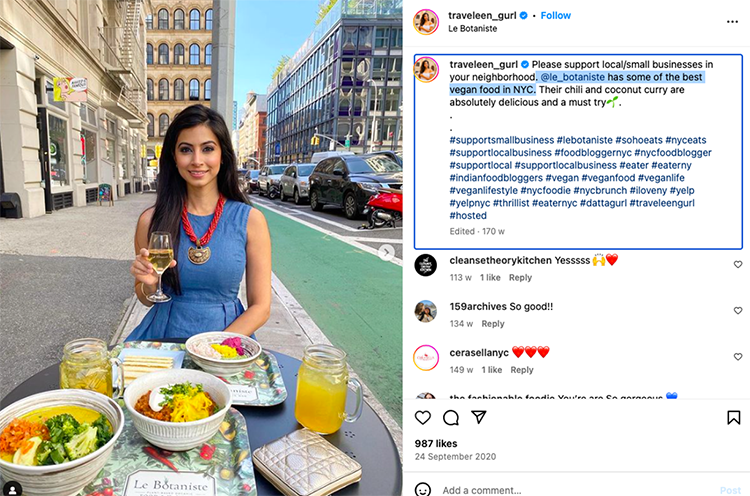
[(324, 9), (280, 66)]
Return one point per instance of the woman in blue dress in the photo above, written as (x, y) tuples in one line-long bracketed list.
[(197, 186)]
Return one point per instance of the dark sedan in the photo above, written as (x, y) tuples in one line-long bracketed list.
[(349, 181)]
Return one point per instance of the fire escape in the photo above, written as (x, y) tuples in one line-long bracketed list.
[(123, 56)]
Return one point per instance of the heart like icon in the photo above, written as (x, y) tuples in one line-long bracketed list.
[(738, 263), (543, 350), (612, 258), (422, 416), (518, 351), (738, 310), (738, 356), (671, 396), (531, 351)]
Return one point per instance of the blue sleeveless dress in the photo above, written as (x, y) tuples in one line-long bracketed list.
[(209, 299)]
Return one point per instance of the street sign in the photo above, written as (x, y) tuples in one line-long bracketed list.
[(277, 149), (348, 143)]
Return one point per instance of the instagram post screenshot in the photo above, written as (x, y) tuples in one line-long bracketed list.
[(373, 247)]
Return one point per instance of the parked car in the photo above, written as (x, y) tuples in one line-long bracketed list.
[(269, 175), (241, 178), (318, 156), (294, 182), (251, 181), (395, 156), (348, 181)]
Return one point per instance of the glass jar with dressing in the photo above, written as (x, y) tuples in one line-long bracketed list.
[(86, 364)]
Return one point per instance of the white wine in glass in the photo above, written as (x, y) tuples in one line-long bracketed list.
[(160, 254)]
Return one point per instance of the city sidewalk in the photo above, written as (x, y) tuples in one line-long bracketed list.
[(107, 233)]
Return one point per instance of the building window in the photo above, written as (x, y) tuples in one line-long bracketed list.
[(397, 38), (207, 90), (179, 19), (350, 39), (347, 71), (179, 54), (379, 66), (89, 148), (58, 150), (179, 89), (365, 38), (109, 149), (195, 54), (208, 54), (163, 54), (345, 101), (195, 19), (150, 125), (381, 37), (149, 90), (363, 69), (394, 71), (149, 54), (149, 22), (163, 19), (392, 99), (209, 19), (163, 124), (163, 89), (194, 89)]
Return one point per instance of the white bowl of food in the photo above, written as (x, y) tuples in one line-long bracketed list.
[(60, 440), (223, 353), (178, 409)]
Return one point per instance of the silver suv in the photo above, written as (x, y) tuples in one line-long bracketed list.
[(294, 182)]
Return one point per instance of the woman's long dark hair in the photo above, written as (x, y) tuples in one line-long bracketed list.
[(171, 188), (423, 68), (425, 18)]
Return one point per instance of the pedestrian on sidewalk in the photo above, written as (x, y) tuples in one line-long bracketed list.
[(198, 194)]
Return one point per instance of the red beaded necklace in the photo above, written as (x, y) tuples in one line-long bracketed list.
[(201, 253)]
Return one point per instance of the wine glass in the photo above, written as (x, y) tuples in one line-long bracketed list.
[(160, 254)]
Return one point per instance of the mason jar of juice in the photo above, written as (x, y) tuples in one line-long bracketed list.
[(86, 365), (322, 383)]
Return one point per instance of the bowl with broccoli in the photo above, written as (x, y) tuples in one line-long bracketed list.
[(56, 442)]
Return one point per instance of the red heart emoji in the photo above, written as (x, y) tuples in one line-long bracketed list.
[(543, 350), (518, 351), (530, 350), (612, 258)]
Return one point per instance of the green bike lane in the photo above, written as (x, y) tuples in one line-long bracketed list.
[(353, 296)]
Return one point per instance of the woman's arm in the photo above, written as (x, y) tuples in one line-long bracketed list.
[(258, 276), (141, 241)]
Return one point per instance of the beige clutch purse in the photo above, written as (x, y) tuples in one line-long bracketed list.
[(303, 463)]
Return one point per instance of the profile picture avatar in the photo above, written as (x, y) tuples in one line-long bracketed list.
[(426, 357), (426, 22), (425, 311), (426, 69)]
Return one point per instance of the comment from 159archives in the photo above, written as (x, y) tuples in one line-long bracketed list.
[(528, 151)]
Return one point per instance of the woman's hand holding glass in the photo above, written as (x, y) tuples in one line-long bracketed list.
[(144, 271)]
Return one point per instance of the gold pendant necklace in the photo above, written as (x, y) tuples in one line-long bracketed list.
[(199, 255)]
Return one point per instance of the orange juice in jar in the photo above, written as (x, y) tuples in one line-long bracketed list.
[(321, 390)]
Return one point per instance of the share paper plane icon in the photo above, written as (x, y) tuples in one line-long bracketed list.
[(479, 414)]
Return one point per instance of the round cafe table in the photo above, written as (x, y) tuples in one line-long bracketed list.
[(367, 440)]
